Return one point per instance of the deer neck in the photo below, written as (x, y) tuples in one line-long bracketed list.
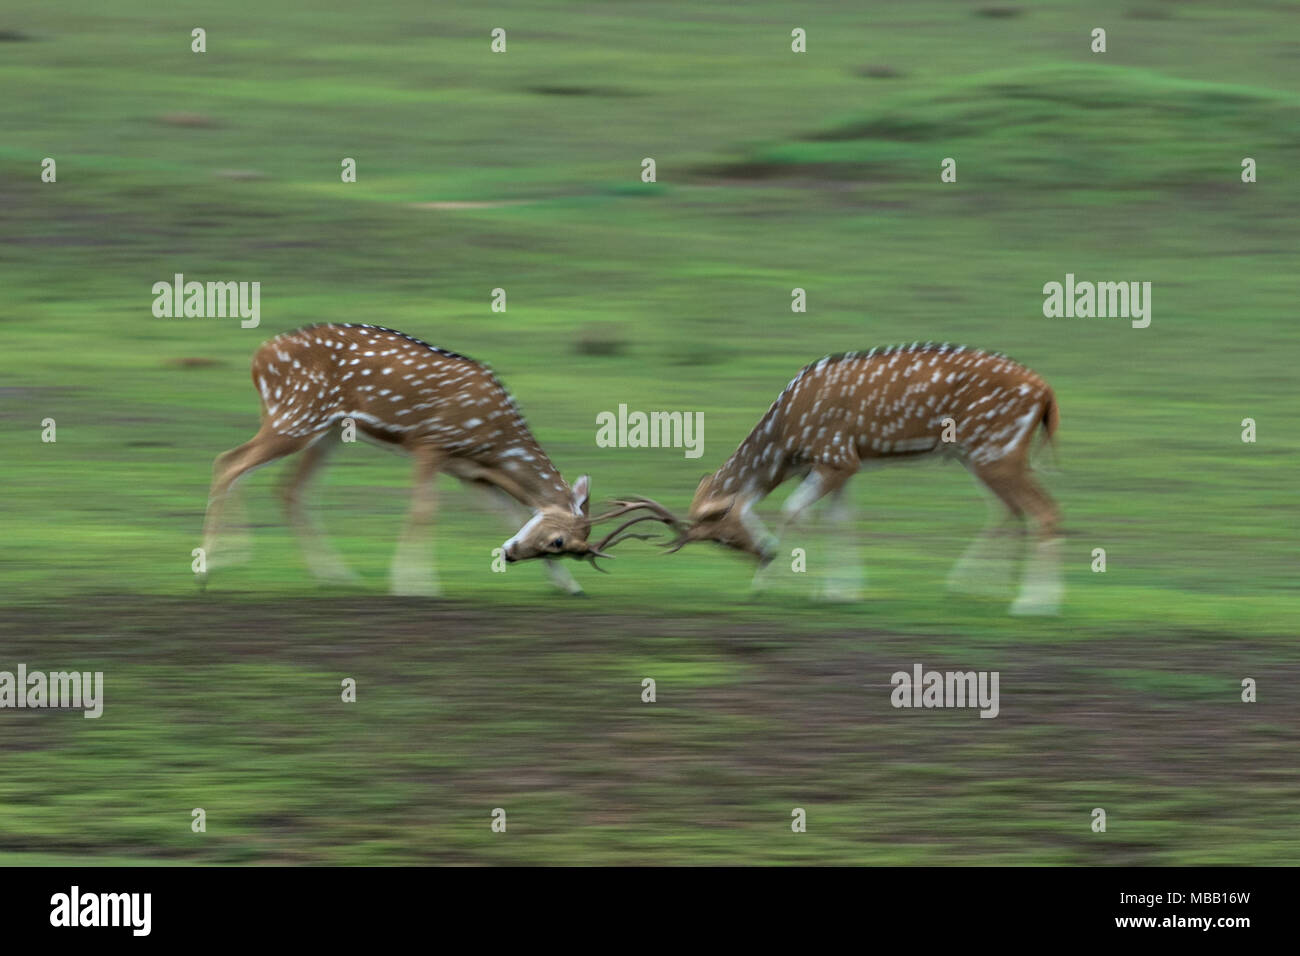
[(523, 471), (749, 475)]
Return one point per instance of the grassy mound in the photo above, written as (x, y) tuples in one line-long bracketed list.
[(1074, 125)]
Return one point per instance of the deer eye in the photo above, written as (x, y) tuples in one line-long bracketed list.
[(557, 544)]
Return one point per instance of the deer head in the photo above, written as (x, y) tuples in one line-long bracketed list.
[(724, 519), (555, 531)]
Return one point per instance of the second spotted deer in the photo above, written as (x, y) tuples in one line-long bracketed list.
[(848, 411)]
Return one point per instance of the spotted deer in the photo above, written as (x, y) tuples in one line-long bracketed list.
[(447, 411), (864, 408)]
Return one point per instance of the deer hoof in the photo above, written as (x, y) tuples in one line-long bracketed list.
[(1031, 608)]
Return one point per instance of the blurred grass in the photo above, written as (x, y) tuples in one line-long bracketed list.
[(775, 171)]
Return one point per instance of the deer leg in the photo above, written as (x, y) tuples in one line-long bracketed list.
[(758, 531), (515, 515), (821, 481), (262, 449), (842, 580), (988, 565), (322, 560), (562, 578), (1042, 588), (413, 572)]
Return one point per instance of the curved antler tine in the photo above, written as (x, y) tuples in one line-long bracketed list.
[(623, 507), (649, 503), (638, 537), (680, 527), (606, 541), (591, 557), (617, 535), (626, 505), (634, 537)]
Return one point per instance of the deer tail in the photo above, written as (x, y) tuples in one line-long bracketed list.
[(1051, 421)]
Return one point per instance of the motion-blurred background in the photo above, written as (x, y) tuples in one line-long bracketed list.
[(522, 171)]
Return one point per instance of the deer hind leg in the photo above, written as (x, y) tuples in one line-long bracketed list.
[(843, 577), (515, 514), (988, 567), (322, 560), (1042, 587), (262, 449), (413, 572)]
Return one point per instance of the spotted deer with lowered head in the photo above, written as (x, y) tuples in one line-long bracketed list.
[(864, 408), (447, 411)]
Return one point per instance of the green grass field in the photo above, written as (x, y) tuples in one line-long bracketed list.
[(775, 171)]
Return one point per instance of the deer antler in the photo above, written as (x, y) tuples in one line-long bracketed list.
[(667, 517), (624, 506)]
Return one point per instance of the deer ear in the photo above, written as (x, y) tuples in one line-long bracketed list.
[(581, 494), (713, 508)]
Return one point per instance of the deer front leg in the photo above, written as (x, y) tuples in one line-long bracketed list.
[(758, 532), (227, 538), (843, 576), (322, 560), (220, 547), (562, 578), (413, 572), (821, 481)]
